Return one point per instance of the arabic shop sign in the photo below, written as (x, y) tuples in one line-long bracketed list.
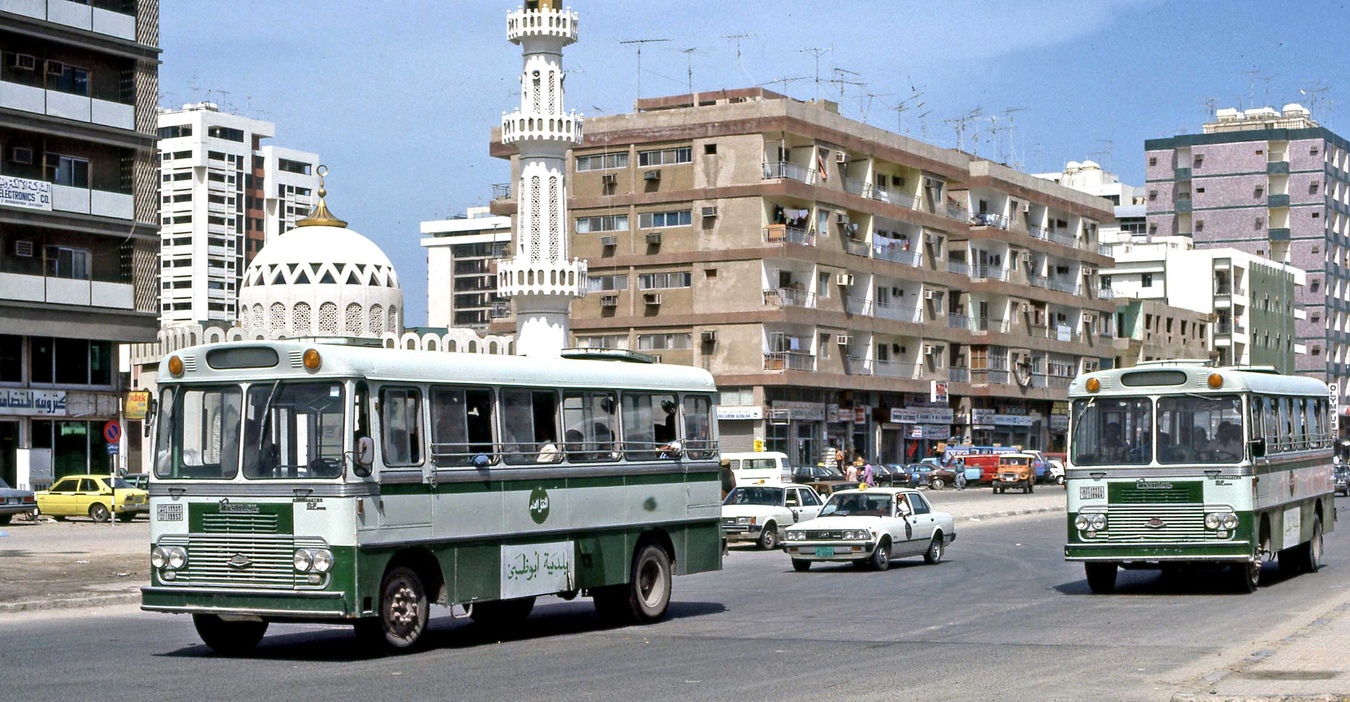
[(740, 412), (537, 569), (990, 417), (915, 415), (25, 193), (47, 403)]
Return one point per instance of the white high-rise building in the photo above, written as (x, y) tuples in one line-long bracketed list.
[(540, 278), (223, 196), (461, 285)]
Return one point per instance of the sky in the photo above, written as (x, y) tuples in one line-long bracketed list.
[(398, 97)]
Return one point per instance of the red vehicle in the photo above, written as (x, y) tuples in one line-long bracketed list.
[(987, 463)]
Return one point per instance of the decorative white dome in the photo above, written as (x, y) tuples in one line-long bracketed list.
[(321, 279)]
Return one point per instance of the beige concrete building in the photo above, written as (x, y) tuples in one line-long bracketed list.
[(847, 286)]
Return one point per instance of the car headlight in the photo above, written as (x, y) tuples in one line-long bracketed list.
[(304, 560), (175, 557), (158, 557), (323, 560), (857, 535), (796, 536), (743, 521)]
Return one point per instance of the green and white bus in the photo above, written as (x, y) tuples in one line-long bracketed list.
[(1177, 463), (307, 482)]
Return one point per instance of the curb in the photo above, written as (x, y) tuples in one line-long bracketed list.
[(79, 602), (1010, 513)]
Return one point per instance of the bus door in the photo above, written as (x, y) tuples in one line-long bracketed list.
[(407, 478)]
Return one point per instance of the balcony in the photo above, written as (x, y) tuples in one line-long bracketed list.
[(1106, 294), (958, 374), (898, 313), (890, 251), (957, 267), (92, 202), (1104, 249), (897, 369), (893, 198), (1181, 174), (788, 171), (855, 186), (789, 360), (781, 233), (1277, 200), (81, 108), (857, 366), (858, 305), (1223, 327), (1038, 232), (1182, 204), (989, 219), (1277, 168), (66, 291), (984, 271), (857, 247), (79, 15), (1279, 233), (789, 297), (1064, 287), (958, 213), (958, 321), (1062, 237), (501, 191)]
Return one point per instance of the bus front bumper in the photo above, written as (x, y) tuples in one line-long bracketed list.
[(1228, 551), (261, 603)]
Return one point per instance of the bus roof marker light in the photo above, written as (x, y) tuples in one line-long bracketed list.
[(175, 366), (312, 359), (1093, 385), (1215, 381)]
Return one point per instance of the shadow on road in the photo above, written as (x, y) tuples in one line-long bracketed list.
[(1195, 581), (338, 643)]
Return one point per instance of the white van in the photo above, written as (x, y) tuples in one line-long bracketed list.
[(759, 467)]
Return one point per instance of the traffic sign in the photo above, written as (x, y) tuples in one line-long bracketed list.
[(112, 449), (112, 431)]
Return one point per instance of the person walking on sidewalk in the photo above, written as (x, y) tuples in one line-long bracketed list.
[(960, 479), (869, 475), (851, 474)]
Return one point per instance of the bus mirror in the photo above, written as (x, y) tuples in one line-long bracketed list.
[(1258, 447), (365, 455)]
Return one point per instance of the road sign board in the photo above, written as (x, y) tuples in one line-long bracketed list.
[(112, 449), (112, 431)]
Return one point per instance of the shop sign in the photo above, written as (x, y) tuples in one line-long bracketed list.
[(937, 391), (742, 412), (1059, 422), (832, 413), (860, 414), (990, 417), (46, 403), (1059, 408), (1064, 333), (25, 193), (929, 431), (914, 415), (137, 405), (802, 411)]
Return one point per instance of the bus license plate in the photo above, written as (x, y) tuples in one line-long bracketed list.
[(824, 551), (1092, 492)]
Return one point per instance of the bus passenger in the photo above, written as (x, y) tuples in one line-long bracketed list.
[(1114, 449)]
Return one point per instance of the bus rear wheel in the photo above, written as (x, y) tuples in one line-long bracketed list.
[(1101, 577), (402, 617), (228, 638), (1312, 551), (646, 596)]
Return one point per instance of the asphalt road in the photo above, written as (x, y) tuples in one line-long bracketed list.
[(1004, 617)]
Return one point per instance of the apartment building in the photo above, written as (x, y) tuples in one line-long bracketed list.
[(461, 268), (1273, 184), (224, 194), (1153, 331), (78, 84), (847, 286)]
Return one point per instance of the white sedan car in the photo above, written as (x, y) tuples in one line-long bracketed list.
[(760, 512), (871, 527)]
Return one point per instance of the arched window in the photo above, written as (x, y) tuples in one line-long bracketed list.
[(354, 319), (376, 319), (300, 318), (276, 320), (328, 318)]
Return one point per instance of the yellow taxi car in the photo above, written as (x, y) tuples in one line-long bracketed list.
[(93, 496)]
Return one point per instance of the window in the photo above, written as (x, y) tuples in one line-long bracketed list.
[(649, 220), (1259, 192), (1146, 280), (70, 80), (1199, 190), (290, 166), (605, 341), (666, 157), (1312, 187), (294, 430), (603, 223), (602, 162), (657, 342), (461, 425), (1314, 284), (698, 423), (1152, 160), (589, 419), (1152, 195), (1112, 431), (65, 262), (1200, 429), (400, 422), (198, 433), (1260, 222), (1199, 160), (67, 170), (649, 423), (660, 281), (175, 131), (227, 133), (530, 426), (596, 283), (710, 149)]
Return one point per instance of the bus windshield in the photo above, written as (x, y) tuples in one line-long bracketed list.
[(1112, 431), (198, 435), (1200, 429), (293, 430)]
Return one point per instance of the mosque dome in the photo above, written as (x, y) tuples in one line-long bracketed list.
[(321, 279)]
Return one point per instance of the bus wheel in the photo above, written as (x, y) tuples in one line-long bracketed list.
[(801, 565), (1312, 551), (228, 638), (646, 596), (503, 611), (1246, 576), (403, 610), (1101, 577)]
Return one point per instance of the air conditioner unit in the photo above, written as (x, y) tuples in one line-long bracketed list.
[(56, 68), (841, 157), (609, 300), (843, 339), (654, 238), (1089, 318), (841, 217), (931, 183), (930, 294), (844, 279), (22, 155), (930, 240), (609, 178), (710, 211), (1026, 257), (1026, 208), (23, 62), (1025, 308), (929, 350), (897, 348), (651, 298), (608, 241), (23, 248), (652, 175), (897, 292), (709, 336)]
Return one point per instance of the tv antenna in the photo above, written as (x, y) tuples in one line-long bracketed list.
[(815, 51), (843, 77), (689, 67), (1011, 158), (737, 38), (959, 125), (638, 43), (1314, 94), (866, 107), (1104, 155), (785, 81), (1210, 107)]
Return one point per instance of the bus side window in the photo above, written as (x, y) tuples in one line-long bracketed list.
[(590, 419), (698, 438), (400, 424), (448, 426), (1270, 425), (530, 426), (649, 426)]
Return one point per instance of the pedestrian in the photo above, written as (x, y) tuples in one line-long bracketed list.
[(869, 475), (960, 476), (851, 474)]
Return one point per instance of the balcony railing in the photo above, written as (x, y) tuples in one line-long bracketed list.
[(887, 251), (898, 369), (790, 171), (80, 15), (66, 291), (501, 191), (1106, 293), (898, 313), (957, 267), (858, 305), (789, 360), (1063, 238), (893, 198), (958, 374), (958, 321), (789, 297), (856, 186), (1060, 286), (957, 213), (854, 365), (82, 108), (780, 233), (857, 247), (1036, 281), (1104, 249), (1039, 232), (989, 219), (987, 271)]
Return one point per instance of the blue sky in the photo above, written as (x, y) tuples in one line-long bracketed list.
[(398, 97)]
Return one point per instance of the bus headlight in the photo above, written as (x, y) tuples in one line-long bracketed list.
[(158, 557), (175, 557), (304, 560), (1098, 521), (1213, 520), (323, 560), (1082, 523), (1230, 521), (1221, 520), (1090, 522)]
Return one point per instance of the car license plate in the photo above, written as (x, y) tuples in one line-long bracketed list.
[(824, 551)]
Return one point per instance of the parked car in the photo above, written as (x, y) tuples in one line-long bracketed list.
[(759, 467), (919, 473), (1015, 473), (14, 501), (899, 474), (1054, 471), (140, 481), (871, 527), (97, 496), (823, 479), (1342, 479), (979, 468), (759, 512)]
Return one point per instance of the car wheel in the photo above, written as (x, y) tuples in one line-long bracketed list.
[(99, 512), (881, 558), (801, 565), (1059, 480), (228, 638), (1101, 577), (5, 519), (936, 483), (769, 538), (126, 517), (402, 617), (503, 612), (934, 553), (1030, 487)]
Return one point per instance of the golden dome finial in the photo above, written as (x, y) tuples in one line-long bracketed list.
[(321, 217)]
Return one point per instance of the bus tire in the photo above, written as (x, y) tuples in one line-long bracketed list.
[(801, 565), (1101, 577), (1246, 576), (646, 596), (1312, 551), (402, 614), (502, 612), (768, 540), (228, 638)]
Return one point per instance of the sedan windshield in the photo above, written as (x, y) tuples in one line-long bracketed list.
[(857, 504), (767, 496)]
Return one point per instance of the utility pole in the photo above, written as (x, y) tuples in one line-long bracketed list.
[(638, 43)]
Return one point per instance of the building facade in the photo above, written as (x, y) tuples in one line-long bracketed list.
[(1273, 184), (224, 194), (78, 232), (848, 287), (461, 268)]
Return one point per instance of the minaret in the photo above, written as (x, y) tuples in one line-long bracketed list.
[(541, 278)]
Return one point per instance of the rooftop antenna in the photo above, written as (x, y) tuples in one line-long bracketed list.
[(923, 123), (903, 106), (1104, 155), (841, 79), (638, 43), (1211, 107), (785, 81), (959, 126), (737, 38), (1314, 94), (866, 107), (815, 51), (689, 67), (1011, 159)]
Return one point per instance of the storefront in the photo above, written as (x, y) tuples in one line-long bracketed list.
[(918, 428)]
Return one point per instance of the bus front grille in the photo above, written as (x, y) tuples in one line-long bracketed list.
[(233, 562), (1157, 523), (239, 523)]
